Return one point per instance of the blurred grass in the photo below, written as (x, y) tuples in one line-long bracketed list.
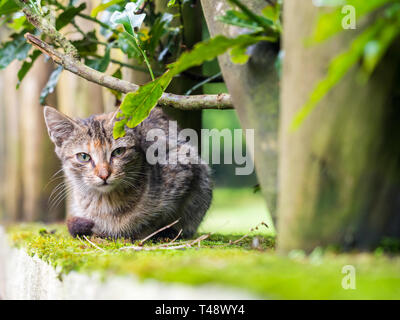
[(236, 211)]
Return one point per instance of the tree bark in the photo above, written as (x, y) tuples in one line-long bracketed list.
[(339, 173), (254, 88)]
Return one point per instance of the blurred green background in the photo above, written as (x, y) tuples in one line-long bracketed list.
[(236, 206)]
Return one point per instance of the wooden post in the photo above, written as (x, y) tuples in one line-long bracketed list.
[(339, 173)]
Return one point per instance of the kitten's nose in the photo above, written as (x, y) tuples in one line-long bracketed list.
[(103, 171)]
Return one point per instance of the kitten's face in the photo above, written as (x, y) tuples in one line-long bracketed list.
[(91, 158)]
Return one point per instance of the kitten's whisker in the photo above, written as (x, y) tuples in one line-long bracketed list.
[(54, 178), (55, 199), (56, 190), (62, 194), (55, 206), (129, 184), (57, 172), (136, 173)]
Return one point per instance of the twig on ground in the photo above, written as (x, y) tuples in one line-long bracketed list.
[(93, 244), (177, 236), (201, 238), (169, 245), (247, 234), (158, 231)]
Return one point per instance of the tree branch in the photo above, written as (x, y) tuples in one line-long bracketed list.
[(42, 24), (195, 102)]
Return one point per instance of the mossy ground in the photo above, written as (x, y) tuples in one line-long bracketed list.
[(258, 270)]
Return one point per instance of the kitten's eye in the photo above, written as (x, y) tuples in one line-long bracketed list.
[(83, 157), (118, 152)]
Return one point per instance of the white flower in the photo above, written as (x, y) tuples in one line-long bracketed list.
[(128, 18)]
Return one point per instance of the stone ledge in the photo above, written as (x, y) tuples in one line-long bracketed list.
[(25, 277)]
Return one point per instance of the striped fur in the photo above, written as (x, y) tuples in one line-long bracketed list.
[(139, 198)]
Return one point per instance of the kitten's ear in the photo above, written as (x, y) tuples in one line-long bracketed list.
[(59, 126)]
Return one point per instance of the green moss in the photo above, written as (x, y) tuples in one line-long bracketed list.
[(260, 270)]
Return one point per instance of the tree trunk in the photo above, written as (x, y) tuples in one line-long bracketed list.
[(254, 88), (339, 173)]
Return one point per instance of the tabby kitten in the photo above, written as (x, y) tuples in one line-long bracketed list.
[(115, 192)]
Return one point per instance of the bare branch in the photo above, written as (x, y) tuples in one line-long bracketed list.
[(195, 102)]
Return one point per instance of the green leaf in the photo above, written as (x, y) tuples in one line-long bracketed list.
[(158, 30), (171, 3), (260, 20), (87, 45), (17, 48), (239, 19), (100, 64), (68, 15), (103, 7), (238, 55), (209, 49), (8, 6), (119, 129), (127, 43), (17, 23), (338, 68), (136, 106), (26, 66), (117, 74), (272, 12), (375, 49), (51, 84)]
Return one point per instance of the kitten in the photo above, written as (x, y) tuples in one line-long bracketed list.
[(115, 192)]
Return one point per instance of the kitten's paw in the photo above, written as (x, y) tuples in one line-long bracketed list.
[(78, 226)]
